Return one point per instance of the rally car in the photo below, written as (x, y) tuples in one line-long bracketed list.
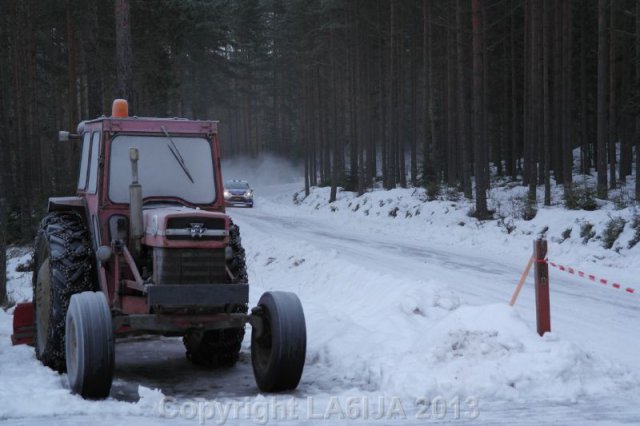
[(238, 193)]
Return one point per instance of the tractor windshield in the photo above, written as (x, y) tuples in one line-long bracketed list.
[(159, 173)]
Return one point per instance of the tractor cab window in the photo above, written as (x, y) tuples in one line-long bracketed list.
[(93, 163), (86, 145), (181, 167)]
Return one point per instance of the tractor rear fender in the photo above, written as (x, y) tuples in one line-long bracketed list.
[(77, 204)]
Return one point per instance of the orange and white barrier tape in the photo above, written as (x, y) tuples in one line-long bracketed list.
[(591, 277)]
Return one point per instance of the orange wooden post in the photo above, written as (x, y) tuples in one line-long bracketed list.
[(525, 273), (541, 273)]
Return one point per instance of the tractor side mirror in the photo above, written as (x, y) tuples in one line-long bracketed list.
[(64, 136)]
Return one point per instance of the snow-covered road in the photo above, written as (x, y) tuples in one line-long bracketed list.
[(400, 326)]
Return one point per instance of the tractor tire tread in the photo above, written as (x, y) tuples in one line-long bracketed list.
[(63, 239)]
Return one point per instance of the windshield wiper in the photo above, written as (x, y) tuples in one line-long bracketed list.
[(176, 154)]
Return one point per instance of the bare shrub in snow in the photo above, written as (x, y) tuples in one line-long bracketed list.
[(433, 191), (543, 232), (612, 231), (523, 208), (452, 194), (587, 232), (507, 224), (580, 197), (635, 224), (622, 200)]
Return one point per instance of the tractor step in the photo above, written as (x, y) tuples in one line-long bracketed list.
[(23, 327)]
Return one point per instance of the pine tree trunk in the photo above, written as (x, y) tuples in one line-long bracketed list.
[(516, 114), (334, 140), (402, 119), (463, 140), (124, 56), (308, 145), (3, 239), (479, 144), (428, 163), (637, 123), (392, 86), (526, 97), (452, 143), (413, 146), (3, 257), (546, 63), (557, 93), (372, 111), (613, 95), (585, 146), (626, 125), (313, 129), (567, 116), (4, 159), (603, 81), (360, 102), (350, 97), (72, 76), (383, 127), (534, 101), (507, 124)]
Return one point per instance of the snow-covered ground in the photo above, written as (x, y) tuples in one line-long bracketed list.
[(406, 302)]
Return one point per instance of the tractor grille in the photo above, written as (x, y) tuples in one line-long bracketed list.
[(184, 224), (189, 266)]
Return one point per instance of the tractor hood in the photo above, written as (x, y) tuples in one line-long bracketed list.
[(182, 227)]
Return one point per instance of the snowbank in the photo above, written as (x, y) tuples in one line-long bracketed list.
[(376, 333)]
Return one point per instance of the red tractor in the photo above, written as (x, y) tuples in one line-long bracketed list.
[(145, 247)]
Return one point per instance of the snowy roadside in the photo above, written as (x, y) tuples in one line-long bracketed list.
[(575, 237)]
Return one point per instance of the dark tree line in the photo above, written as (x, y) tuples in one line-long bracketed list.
[(363, 92)]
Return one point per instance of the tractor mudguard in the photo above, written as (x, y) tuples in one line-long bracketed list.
[(67, 203)]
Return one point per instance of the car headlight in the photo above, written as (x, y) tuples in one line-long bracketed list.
[(227, 194), (248, 194)]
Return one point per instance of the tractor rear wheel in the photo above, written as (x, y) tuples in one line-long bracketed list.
[(221, 348), (279, 345), (89, 345), (63, 266)]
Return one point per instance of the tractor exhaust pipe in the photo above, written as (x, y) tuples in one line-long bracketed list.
[(136, 225)]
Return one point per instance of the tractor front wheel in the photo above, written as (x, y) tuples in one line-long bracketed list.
[(279, 344), (89, 345)]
